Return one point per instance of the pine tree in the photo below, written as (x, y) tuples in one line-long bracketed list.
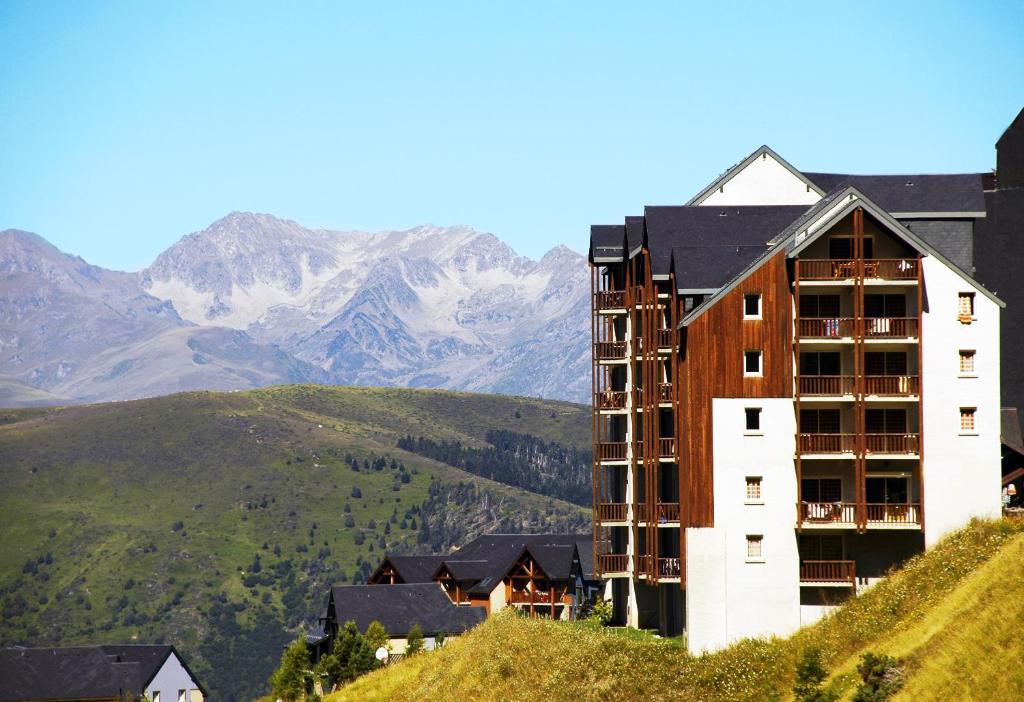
[(376, 635), (414, 640), (292, 679)]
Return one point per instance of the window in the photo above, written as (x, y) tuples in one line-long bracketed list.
[(885, 421), (813, 547), (752, 306), (966, 362), (885, 363), (755, 547), (887, 490), (821, 489), (752, 363), (753, 489), (753, 418), (966, 307), (967, 419), (155, 694), (819, 421), (181, 696), (819, 306), (820, 363), (885, 305), (841, 247)]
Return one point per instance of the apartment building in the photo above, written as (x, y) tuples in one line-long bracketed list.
[(796, 387)]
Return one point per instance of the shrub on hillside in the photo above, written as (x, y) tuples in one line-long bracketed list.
[(414, 641), (810, 673), (882, 677)]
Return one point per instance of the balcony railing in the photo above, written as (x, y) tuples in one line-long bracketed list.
[(892, 443), (612, 511), (892, 385), (666, 448), (610, 400), (827, 512), (825, 328), (668, 568), (611, 451), (664, 392), (665, 338), (828, 572), (890, 327), (826, 443), (610, 299), (664, 512), (883, 268), (610, 350), (832, 385), (894, 513), (612, 562)]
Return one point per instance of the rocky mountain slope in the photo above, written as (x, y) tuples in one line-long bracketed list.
[(255, 300)]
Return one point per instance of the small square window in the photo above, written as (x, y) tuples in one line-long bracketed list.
[(755, 547), (181, 696), (752, 363), (753, 416), (966, 363), (753, 489), (752, 306), (967, 419), (966, 307), (155, 695)]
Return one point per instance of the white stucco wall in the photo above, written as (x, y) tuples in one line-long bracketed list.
[(764, 181), (729, 597), (171, 678), (961, 472), (497, 598)]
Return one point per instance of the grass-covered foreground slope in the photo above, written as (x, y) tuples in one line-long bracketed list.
[(952, 614), (217, 521)]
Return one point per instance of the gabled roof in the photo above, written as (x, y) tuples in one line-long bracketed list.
[(607, 242), (942, 195), (73, 673), (399, 607), (150, 659), (411, 569), (1018, 120), (723, 179)]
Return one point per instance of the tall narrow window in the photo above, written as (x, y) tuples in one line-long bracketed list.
[(966, 362), (966, 307), (752, 363), (753, 418), (753, 495), (755, 547), (967, 419), (752, 306)]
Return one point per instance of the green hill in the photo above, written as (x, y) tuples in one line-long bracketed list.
[(952, 614), (216, 521)]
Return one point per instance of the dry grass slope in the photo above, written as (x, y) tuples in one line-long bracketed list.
[(948, 613)]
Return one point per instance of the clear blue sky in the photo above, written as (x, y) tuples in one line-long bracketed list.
[(124, 126)]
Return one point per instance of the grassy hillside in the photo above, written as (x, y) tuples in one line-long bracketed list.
[(953, 614), (216, 521)]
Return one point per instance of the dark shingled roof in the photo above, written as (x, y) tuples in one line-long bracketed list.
[(955, 192), (1010, 433), (607, 241), (76, 673), (634, 233), (398, 607), (415, 569), (717, 230)]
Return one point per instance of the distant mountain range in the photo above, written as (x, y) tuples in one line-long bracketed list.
[(254, 300)]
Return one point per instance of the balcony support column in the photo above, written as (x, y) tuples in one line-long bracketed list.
[(920, 390), (796, 393)]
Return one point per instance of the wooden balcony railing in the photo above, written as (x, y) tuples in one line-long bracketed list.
[(612, 562), (664, 392), (610, 399), (610, 299), (830, 385), (643, 564), (665, 339), (828, 572), (883, 268), (890, 327), (826, 443), (539, 596), (611, 512), (668, 568), (610, 350), (825, 328), (892, 385), (827, 512), (666, 448), (664, 512), (611, 451), (894, 513), (892, 443)]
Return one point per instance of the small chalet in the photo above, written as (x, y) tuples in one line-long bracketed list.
[(97, 674)]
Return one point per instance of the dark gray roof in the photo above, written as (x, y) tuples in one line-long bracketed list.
[(717, 230), (1010, 430), (607, 241), (414, 569), (398, 607), (74, 673), (634, 233), (899, 194)]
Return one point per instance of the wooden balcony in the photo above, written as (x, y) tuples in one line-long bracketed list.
[(828, 572), (892, 385), (612, 511), (610, 350), (823, 513), (825, 328), (878, 269), (610, 400), (666, 339), (825, 443), (894, 513), (892, 443), (611, 451), (826, 385), (539, 596), (664, 392), (664, 512), (890, 328), (668, 568), (605, 300), (612, 563), (666, 448)]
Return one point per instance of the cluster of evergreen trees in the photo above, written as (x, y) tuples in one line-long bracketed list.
[(520, 460)]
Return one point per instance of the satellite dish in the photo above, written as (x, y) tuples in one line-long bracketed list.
[(382, 654)]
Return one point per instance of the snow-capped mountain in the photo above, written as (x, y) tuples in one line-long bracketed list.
[(255, 300)]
